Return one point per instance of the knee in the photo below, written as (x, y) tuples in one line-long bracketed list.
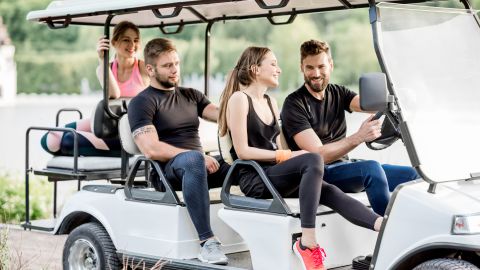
[(313, 161), (373, 167), (194, 159)]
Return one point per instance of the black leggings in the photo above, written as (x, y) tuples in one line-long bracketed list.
[(301, 177)]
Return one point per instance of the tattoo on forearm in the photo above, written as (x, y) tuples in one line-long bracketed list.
[(143, 130)]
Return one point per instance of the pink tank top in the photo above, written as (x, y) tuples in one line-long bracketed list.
[(133, 85)]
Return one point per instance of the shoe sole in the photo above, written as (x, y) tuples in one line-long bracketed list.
[(217, 262), (299, 256)]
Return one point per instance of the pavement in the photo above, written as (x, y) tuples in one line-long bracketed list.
[(33, 250)]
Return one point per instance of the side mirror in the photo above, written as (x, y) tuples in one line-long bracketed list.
[(373, 92)]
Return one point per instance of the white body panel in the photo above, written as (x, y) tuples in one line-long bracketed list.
[(269, 238), (149, 229), (419, 219)]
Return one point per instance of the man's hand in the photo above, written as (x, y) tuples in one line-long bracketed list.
[(211, 164), (369, 130)]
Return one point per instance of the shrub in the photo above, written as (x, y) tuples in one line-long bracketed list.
[(12, 198)]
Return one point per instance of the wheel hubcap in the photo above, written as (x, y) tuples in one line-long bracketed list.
[(83, 256)]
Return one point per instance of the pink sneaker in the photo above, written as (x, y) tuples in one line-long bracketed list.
[(312, 259)]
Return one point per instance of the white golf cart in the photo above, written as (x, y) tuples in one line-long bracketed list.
[(428, 92)]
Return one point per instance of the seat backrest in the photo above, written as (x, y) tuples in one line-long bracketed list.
[(126, 137), (102, 125), (224, 146), (208, 136)]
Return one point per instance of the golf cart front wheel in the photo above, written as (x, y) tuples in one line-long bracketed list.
[(446, 264), (89, 247)]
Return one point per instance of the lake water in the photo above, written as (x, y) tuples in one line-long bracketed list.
[(34, 110)]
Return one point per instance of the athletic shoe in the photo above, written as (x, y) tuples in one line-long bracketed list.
[(211, 253), (312, 259)]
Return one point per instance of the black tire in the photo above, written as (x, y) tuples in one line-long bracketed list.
[(446, 264), (89, 247)]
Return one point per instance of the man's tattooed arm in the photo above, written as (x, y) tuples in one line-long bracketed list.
[(143, 130)]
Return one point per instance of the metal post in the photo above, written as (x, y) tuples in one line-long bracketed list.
[(207, 56), (55, 199)]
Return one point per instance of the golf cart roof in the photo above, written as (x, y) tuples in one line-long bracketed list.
[(151, 13)]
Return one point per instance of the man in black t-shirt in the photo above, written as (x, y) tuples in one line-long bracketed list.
[(313, 119), (164, 122)]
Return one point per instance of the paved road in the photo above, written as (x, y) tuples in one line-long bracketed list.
[(34, 250)]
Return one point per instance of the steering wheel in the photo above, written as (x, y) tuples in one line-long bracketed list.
[(390, 132)]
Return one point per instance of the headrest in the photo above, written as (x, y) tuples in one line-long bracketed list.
[(224, 145), (126, 137)]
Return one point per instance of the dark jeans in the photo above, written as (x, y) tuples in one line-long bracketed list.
[(301, 177), (187, 172), (369, 175)]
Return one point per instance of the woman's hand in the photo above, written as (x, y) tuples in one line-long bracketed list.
[(103, 44)]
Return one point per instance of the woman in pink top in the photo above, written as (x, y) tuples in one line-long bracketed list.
[(127, 77)]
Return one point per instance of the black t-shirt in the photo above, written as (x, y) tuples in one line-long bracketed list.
[(173, 113), (326, 117)]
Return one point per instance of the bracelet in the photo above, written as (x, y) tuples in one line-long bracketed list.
[(282, 155)]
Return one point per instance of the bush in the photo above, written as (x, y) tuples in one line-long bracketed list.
[(12, 198)]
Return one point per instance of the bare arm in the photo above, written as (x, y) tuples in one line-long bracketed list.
[(355, 104), (147, 141), (210, 113), (308, 140), (113, 89)]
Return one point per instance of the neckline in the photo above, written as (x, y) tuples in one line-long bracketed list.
[(265, 96), (131, 73)]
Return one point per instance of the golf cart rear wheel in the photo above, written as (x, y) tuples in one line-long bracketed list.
[(89, 247), (446, 264)]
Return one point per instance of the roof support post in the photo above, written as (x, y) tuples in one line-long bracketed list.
[(207, 57), (106, 70), (468, 5)]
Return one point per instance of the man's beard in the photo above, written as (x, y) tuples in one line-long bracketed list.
[(164, 83), (316, 87)]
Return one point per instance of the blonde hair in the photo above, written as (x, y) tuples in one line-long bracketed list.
[(242, 74)]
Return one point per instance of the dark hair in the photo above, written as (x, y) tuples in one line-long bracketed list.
[(155, 47), (122, 27), (242, 74), (314, 47)]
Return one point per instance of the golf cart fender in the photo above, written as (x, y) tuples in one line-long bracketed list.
[(431, 251), (418, 219), (84, 207)]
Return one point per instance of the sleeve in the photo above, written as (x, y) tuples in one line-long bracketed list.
[(140, 112), (347, 95), (294, 116), (202, 101)]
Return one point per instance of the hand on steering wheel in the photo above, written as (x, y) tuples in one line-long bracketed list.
[(390, 133)]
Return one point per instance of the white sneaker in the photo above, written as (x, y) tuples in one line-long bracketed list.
[(211, 253)]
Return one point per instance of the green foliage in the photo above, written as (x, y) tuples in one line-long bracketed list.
[(12, 199), (48, 72)]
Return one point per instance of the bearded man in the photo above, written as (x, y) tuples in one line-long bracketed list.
[(313, 119)]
